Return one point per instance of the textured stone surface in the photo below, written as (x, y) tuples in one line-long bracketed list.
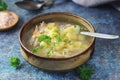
[(105, 59)]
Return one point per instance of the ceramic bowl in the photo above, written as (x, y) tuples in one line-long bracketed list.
[(12, 19), (54, 64)]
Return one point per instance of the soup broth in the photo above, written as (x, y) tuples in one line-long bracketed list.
[(59, 40)]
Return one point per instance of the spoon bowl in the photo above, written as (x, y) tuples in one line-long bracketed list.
[(30, 5)]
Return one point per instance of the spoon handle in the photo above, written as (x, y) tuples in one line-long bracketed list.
[(100, 35)]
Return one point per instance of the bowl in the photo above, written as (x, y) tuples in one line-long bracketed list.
[(54, 64), (8, 20)]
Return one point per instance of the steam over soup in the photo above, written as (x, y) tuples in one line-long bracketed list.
[(59, 40)]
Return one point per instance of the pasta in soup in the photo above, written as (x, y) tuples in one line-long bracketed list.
[(58, 40)]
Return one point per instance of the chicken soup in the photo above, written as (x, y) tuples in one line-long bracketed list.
[(59, 40)]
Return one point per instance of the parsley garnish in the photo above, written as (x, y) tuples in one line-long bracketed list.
[(44, 38), (55, 30), (41, 47), (35, 49), (81, 27), (84, 72), (58, 37), (3, 5), (76, 26), (14, 61), (67, 41), (64, 53), (49, 53)]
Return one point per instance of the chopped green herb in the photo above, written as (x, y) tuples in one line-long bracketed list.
[(81, 28), (76, 26), (47, 41), (58, 37), (64, 35), (64, 53), (41, 47), (49, 53), (44, 38), (55, 30), (3, 5), (14, 61), (67, 41), (84, 72), (35, 49), (53, 45)]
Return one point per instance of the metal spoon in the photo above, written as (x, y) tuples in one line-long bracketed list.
[(30, 5), (100, 35)]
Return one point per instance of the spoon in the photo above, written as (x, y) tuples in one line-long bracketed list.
[(100, 35), (30, 5)]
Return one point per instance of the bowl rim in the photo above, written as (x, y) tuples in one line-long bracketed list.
[(55, 13)]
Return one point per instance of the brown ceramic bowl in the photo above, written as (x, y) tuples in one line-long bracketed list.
[(54, 64)]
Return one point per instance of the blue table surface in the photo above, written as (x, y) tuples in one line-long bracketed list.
[(105, 59)]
